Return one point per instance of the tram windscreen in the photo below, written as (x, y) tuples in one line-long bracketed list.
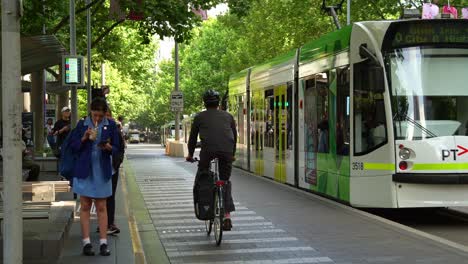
[(429, 88)]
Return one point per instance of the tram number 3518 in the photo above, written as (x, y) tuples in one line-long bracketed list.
[(358, 166)]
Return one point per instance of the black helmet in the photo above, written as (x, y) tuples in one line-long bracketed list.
[(211, 98)]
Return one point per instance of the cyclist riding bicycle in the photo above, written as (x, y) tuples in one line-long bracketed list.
[(218, 136)]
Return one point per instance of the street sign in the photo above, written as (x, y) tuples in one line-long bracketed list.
[(73, 70), (177, 101)]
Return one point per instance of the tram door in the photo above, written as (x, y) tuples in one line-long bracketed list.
[(241, 130), (257, 133), (280, 128)]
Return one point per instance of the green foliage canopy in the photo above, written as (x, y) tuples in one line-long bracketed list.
[(255, 31)]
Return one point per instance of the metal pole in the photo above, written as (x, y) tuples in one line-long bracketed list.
[(348, 12), (12, 128), (335, 17), (88, 23), (177, 113), (74, 97), (44, 83)]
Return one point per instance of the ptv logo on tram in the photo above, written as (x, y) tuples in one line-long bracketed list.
[(447, 153)]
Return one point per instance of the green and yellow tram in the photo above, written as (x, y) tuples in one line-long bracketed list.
[(373, 115)]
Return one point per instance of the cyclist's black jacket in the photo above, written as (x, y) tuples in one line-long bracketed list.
[(217, 131)]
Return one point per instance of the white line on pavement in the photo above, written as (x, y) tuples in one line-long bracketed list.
[(171, 204), (168, 245), (191, 215), (202, 225), (166, 193), (237, 251), (202, 233), (168, 202), (187, 221), (162, 185), (163, 199), (185, 210), (169, 188), (156, 206), (164, 189), (271, 261)]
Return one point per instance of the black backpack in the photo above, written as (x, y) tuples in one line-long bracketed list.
[(203, 195)]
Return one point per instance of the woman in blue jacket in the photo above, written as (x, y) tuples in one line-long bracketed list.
[(95, 139)]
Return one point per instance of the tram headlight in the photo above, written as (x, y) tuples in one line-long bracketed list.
[(404, 153)]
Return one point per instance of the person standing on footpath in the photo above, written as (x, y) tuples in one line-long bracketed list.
[(95, 139), (61, 129), (28, 164), (50, 133), (117, 159)]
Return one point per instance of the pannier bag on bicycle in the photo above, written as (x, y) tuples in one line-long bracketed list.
[(203, 195)]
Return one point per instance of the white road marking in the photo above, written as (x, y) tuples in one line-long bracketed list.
[(167, 193), (237, 251), (193, 220), (175, 198), (168, 245), (202, 233), (275, 261), (191, 215), (186, 209), (202, 225), (167, 202)]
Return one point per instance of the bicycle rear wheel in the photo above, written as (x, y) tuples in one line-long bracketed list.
[(218, 218), (208, 226)]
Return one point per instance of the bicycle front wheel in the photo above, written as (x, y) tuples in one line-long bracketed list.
[(218, 218)]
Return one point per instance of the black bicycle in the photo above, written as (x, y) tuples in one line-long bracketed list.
[(218, 212), (216, 222)]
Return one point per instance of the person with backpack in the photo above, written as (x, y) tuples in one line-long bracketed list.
[(94, 140), (61, 129), (218, 134)]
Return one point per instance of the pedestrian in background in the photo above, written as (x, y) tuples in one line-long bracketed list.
[(95, 139), (61, 129), (27, 163), (50, 133), (117, 159), (119, 121)]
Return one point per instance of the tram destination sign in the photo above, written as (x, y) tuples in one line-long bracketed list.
[(426, 32)]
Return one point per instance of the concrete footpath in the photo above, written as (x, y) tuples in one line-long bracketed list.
[(124, 247)]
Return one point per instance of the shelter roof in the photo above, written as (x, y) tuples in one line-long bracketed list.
[(40, 52)]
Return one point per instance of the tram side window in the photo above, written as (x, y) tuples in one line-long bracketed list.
[(321, 82), (289, 122), (269, 122), (342, 112), (234, 108), (240, 119), (370, 131), (253, 112), (310, 117)]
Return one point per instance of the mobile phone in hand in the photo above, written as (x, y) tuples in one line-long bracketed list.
[(102, 144)]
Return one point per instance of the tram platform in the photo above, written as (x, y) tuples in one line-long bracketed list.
[(121, 245), (273, 223)]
